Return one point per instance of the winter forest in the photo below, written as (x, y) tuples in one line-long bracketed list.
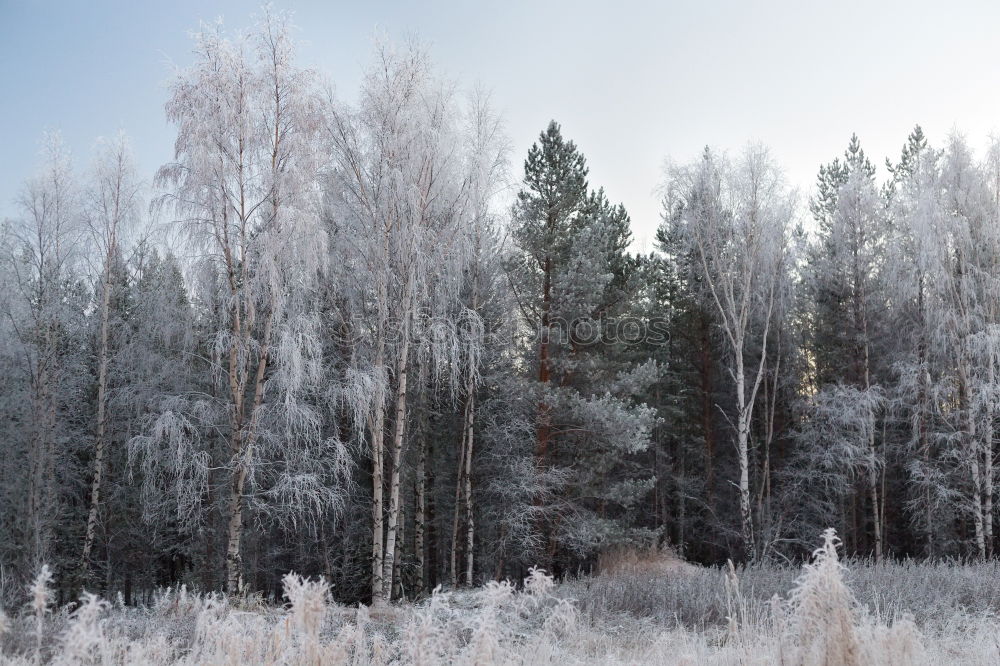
[(351, 335)]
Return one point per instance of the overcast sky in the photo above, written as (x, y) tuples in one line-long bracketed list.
[(632, 83)]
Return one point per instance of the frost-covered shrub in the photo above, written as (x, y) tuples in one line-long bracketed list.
[(309, 605), (494, 624), (818, 618), (40, 594), (84, 640), (822, 622)]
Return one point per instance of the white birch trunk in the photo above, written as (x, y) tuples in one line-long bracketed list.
[(742, 451), (397, 442), (459, 485), (974, 461), (377, 428), (102, 386)]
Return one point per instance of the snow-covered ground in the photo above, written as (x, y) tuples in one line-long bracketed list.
[(662, 612)]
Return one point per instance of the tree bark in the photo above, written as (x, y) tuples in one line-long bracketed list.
[(923, 393), (396, 582), (742, 449), (420, 492), (397, 441), (377, 426), (469, 520), (102, 388), (988, 464), (234, 555), (459, 483)]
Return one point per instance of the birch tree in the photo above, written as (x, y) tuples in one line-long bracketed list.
[(735, 218), (46, 315), (399, 198), (111, 208), (486, 163), (244, 185), (965, 327), (911, 265)]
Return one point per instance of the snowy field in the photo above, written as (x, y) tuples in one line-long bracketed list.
[(645, 610)]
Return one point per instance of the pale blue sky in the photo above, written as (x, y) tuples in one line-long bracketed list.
[(631, 82)]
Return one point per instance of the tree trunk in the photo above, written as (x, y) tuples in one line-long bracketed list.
[(420, 491), (988, 465), (397, 442), (377, 427), (234, 557), (469, 521), (742, 449), (396, 582), (770, 404), (459, 484), (974, 462), (102, 387), (377, 434), (861, 315), (243, 428), (470, 389)]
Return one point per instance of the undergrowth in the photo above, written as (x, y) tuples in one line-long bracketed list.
[(825, 614)]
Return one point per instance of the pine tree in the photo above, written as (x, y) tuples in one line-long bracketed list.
[(572, 277), (845, 273)]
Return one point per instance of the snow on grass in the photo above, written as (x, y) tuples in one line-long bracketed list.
[(636, 612)]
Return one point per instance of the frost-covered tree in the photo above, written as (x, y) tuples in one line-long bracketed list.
[(964, 328), (244, 187), (111, 209), (735, 219), (914, 208), (846, 277), (834, 451), (45, 310), (400, 202), (486, 177)]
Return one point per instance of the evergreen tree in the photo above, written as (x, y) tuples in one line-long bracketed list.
[(572, 277)]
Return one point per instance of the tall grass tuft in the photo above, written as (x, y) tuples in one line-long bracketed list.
[(84, 641), (823, 611), (733, 615), (40, 595), (309, 605)]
